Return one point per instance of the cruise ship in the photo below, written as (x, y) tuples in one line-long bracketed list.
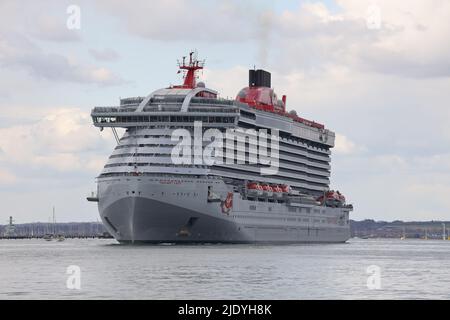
[(192, 167)]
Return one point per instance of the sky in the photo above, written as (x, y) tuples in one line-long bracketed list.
[(376, 72)]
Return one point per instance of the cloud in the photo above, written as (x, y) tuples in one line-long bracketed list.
[(51, 159), (104, 55), (7, 177), (177, 20), (344, 146), (393, 186), (63, 140), (28, 18), (228, 81), (17, 51), (411, 41), (53, 28)]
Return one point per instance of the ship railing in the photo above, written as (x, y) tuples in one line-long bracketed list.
[(112, 109), (166, 99), (191, 109), (132, 99), (129, 105), (219, 110), (212, 101), (127, 122), (166, 106), (162, 108), (105, 109)]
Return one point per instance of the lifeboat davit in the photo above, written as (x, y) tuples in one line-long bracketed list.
[(332, 199)]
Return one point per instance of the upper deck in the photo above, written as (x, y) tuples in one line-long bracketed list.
[(174, 110), (168, 110), (256, 107)]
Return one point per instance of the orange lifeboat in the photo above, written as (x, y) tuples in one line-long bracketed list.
[(285, 188), (276, 188), (267, 189), (332, 199), (254, 188), (277, 191)]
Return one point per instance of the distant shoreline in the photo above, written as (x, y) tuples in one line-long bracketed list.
[(361, 229), (400, 229)]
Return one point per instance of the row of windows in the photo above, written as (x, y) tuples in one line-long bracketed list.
[(221, 171), (155, 156), (247, 154), (145, 164), (304, 148), (256, 176), (281, 170), (281, 219), (300, 167), (131, 136), (293, 154), (248, 115), (293, 139), (124, 119), (247, 146), (296, 143)]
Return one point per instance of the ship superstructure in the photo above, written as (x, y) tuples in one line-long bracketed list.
[(268, 181)]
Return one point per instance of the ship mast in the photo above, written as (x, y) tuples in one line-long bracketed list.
[(191, 67), (54, 221), (443, 232)]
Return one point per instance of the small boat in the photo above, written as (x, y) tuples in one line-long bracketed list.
[(48, 237), (53, 236)]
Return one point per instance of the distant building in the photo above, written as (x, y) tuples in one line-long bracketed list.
[(10, 229)]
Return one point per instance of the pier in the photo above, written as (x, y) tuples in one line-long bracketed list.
[(68, 230), (25, 237)]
